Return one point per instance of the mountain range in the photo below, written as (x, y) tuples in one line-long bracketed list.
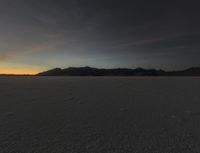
[(90, 71)]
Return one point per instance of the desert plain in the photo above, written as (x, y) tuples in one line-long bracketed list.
[(99, 114)]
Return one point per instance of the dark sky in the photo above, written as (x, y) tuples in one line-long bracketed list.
[(41, 34)]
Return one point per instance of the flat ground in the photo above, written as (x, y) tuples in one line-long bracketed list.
[(99, 115)]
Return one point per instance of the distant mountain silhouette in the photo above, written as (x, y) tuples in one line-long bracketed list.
[(89, 71), (194, 71)]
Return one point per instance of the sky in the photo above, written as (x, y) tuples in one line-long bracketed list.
[(37, 35)]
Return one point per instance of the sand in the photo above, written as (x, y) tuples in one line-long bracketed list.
[(99, 115)]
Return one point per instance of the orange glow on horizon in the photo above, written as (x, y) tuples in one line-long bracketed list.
[(19, 72)]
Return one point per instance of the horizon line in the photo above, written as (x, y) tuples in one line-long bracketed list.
[(35, 73)]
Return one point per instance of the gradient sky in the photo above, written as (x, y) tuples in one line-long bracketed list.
[(37, 35)]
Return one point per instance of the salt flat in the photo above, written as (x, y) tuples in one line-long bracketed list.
[(99, 115)]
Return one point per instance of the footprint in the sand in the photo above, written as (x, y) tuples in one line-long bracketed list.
[(173, 116), (80, 102), (190, 113), (71, 98), (10, 114), (169, 116), (123, 109), (195, 114)]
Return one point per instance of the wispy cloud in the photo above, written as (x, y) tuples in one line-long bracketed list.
[(51, 40), (3, 57)]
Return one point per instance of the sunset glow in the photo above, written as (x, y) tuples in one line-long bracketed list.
[(19, 72), (19, 69)]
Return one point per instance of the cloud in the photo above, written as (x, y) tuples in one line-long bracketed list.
[(3, 57), (58, 30)]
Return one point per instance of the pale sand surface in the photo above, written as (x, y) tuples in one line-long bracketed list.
[(99, 115)]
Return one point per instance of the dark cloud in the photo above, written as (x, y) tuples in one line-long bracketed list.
[(128, 32)]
